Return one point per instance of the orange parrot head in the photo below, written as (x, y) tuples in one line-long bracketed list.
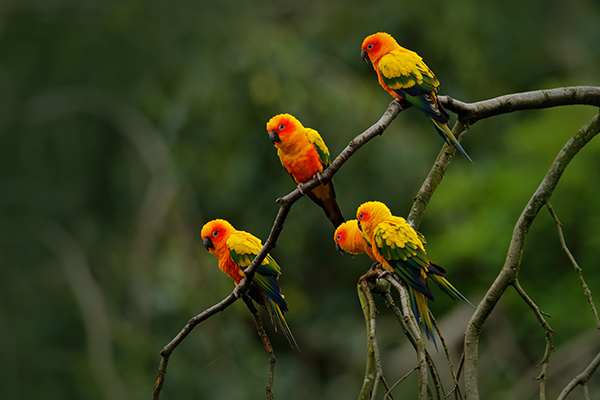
[(377, 45), (282, 129), (370, 214), (347, 238), (215, 234)]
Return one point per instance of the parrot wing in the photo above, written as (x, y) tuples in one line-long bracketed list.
[(400, 246), (322, 150), (405, 71), (243, 248)]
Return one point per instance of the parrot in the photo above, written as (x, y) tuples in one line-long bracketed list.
[(304, 155), (349, 239), (235, 251), (404, 75), (400, 249)]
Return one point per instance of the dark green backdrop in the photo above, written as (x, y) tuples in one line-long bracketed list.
[(126, 125)]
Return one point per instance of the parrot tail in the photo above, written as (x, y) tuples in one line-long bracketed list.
[(447, 135), (277, 319), (448, 288), (324, 196), (421, 311)]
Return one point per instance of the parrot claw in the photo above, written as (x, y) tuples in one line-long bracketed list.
[(374, 266), (384, 274), (301, 188), (237, 293), (318, 177)]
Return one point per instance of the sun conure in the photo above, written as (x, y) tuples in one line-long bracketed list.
[(304, 155), (404, 75), (235, 251), (399, 249)]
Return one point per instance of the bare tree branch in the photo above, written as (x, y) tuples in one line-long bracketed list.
[(455, 387), (578, 270), (549, 347), (581, 379), (469, 113), (373, 371), (437, 381), (413, 327), (510, 270), (266, 342), (473, 112)]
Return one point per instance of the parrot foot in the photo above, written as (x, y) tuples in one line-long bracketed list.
[(237, 293), (301, 188), (402, 103), (384, 274), (374, 266), (318, 177)]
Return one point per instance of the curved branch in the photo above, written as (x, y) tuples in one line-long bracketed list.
[(435, 176), (581, 379), (473, 112), (510, 270), (469, 113), (578, 270)]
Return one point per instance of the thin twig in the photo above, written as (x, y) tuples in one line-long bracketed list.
[(409, 373), (581, 379), (437, 381), (455, 387), (578, 270), (266, 342), (549, 346), (373, 371), (413, 326)]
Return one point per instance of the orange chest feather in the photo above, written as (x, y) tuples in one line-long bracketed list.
[(232, 270), (303, 163)]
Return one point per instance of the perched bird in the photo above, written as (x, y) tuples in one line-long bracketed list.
[(348, 238), (235, 251), (399, 248), (405, 76), (304, 155)]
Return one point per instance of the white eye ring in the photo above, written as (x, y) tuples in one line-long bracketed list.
[(281, 127), (215, 233), (370, 46)]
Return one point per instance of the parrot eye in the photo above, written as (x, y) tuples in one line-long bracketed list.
[(281, 127), (370, 46), (215, 233), (361, 216), (338, 237)]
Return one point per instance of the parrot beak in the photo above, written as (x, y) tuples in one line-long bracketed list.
[(274, 137), (339, 248), (208, 243), (359, 226), (365, 56)]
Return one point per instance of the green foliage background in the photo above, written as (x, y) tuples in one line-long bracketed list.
[(126, 125)]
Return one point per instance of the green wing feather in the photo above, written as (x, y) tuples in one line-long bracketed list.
[(322, 150), (401, 247), (243, 248)]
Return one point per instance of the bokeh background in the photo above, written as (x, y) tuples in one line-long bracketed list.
[(125, 125)]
